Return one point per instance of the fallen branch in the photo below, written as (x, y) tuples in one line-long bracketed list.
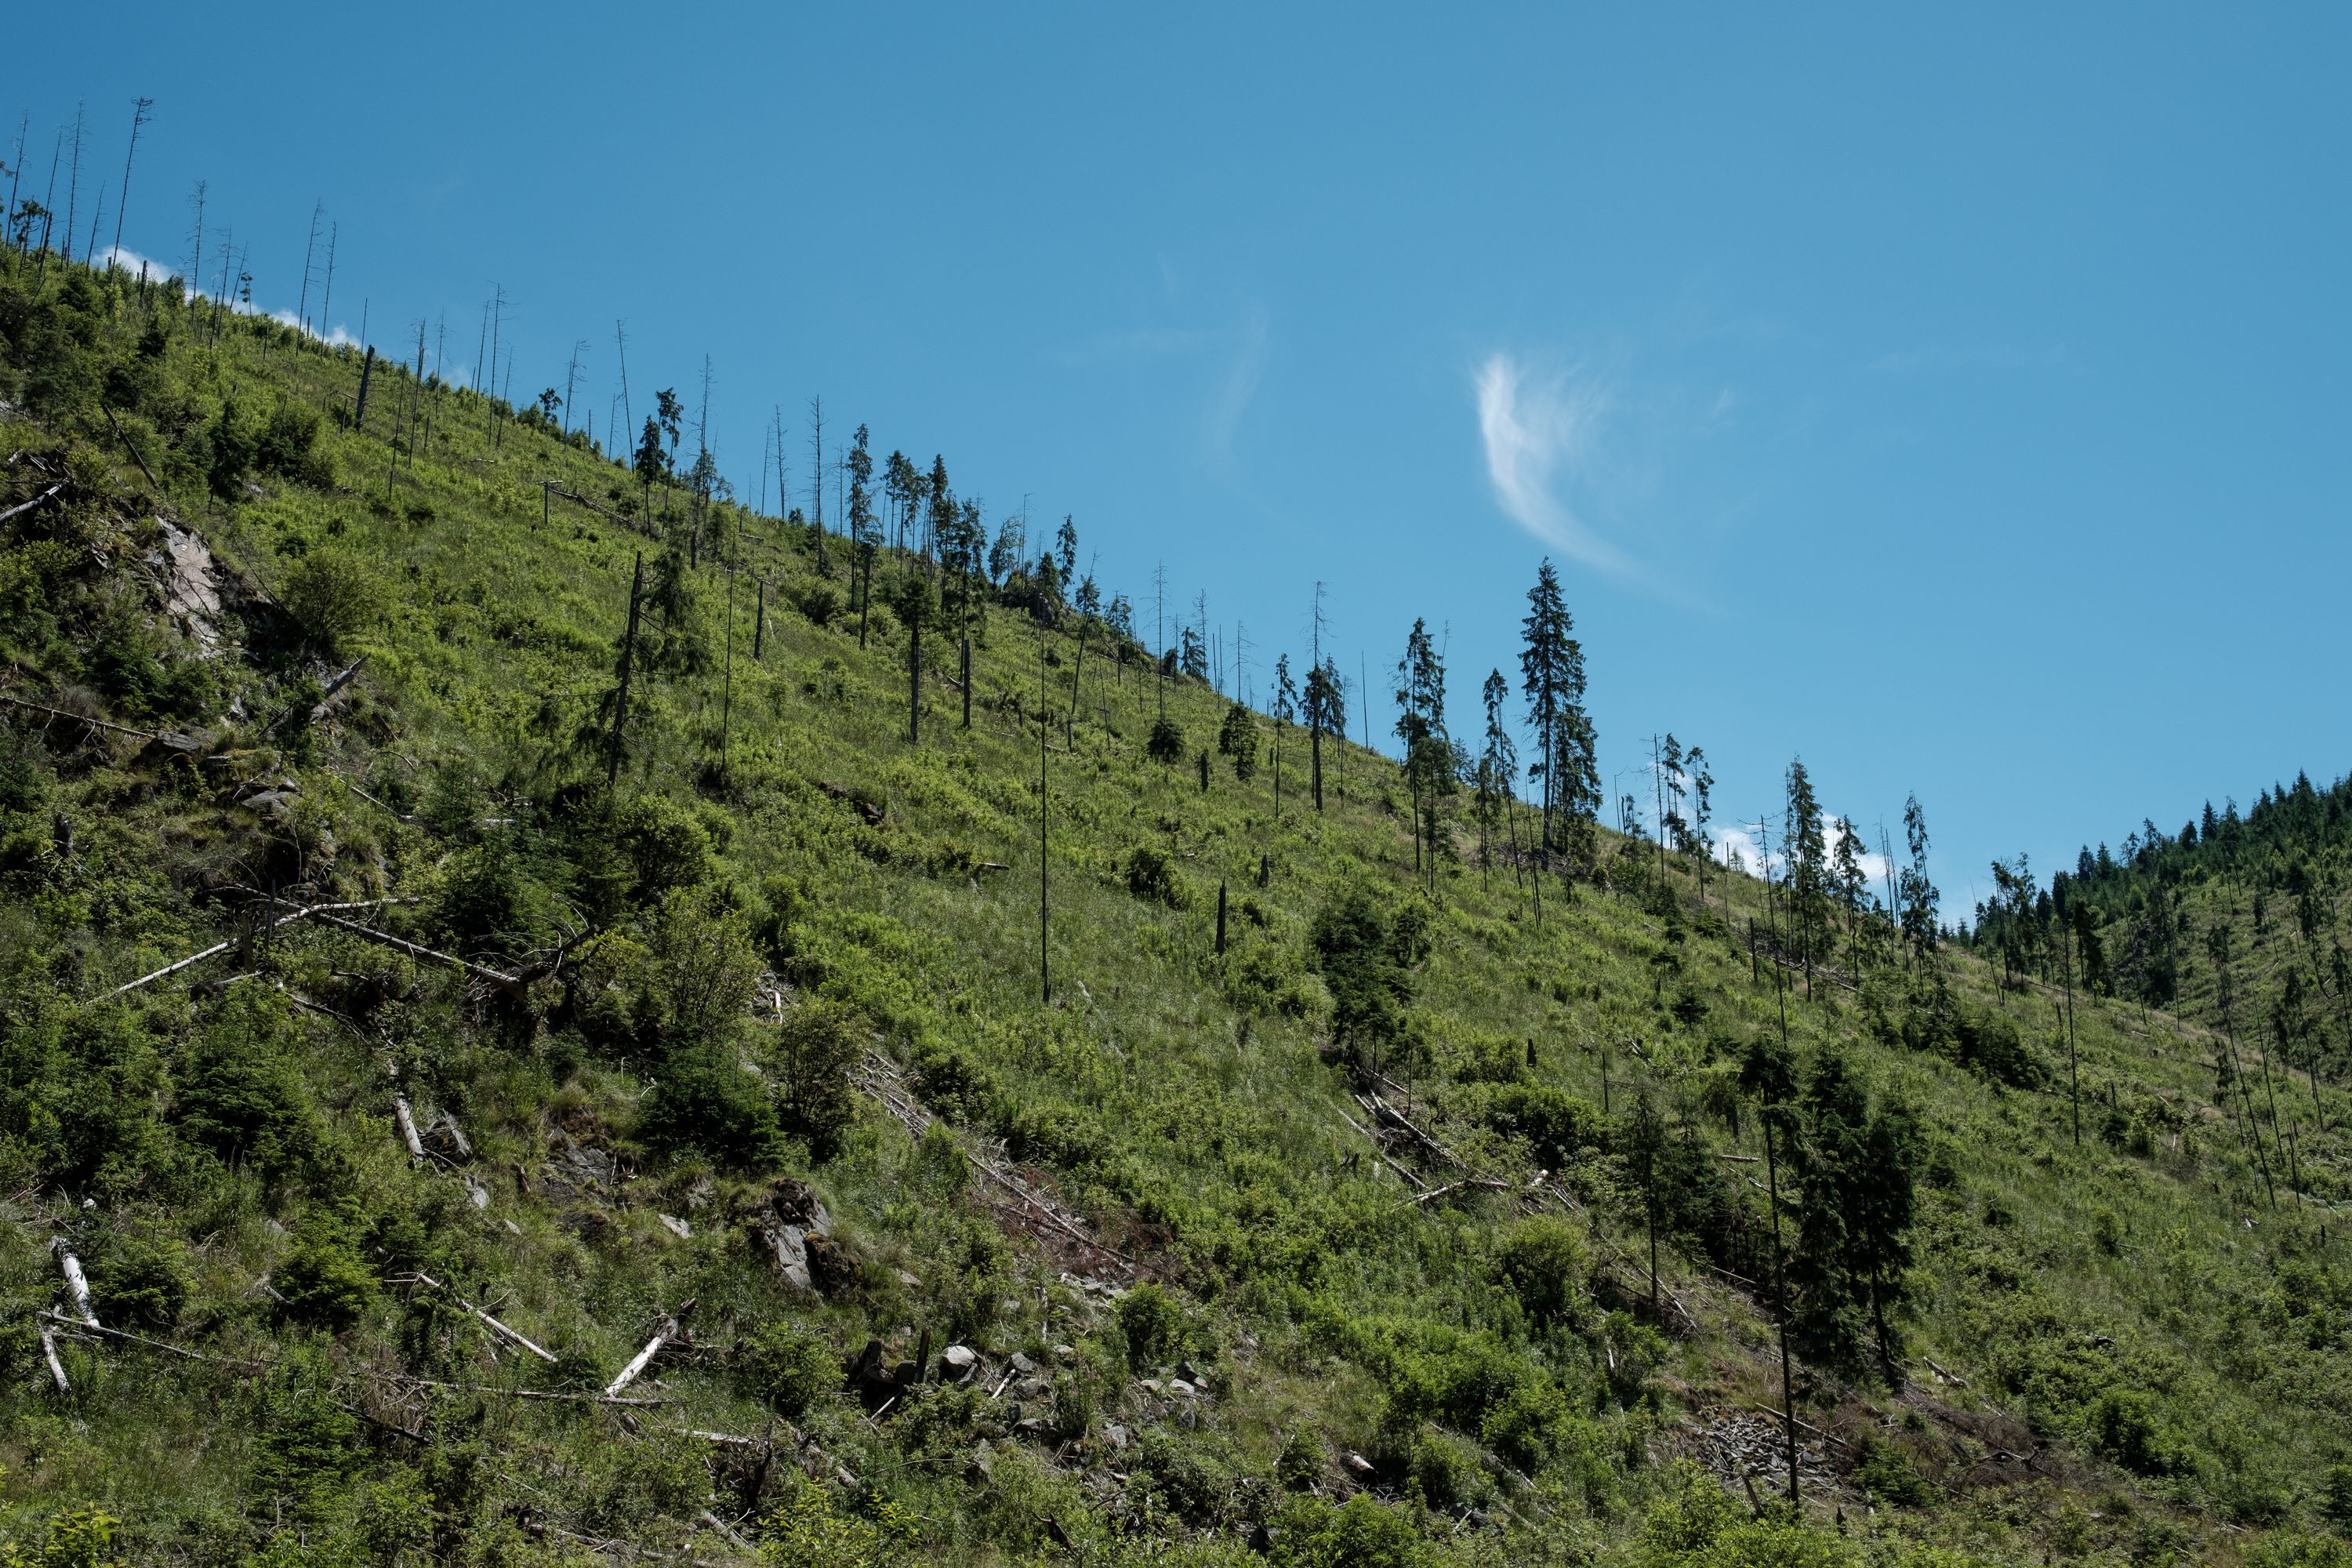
[(20, 510), (492, 1324), (1801, 1421), (310, 912), (79, 719), (400, 944), (1381, 1154), (57, 1367), (139, 1339), (326, 697), (1435, 1194), (399, 1114), (127, 446), (396, 816), (541, 1393), (670, 1328), (77, 1284)]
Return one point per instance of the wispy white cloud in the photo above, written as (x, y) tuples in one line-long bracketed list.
[(1538, 434), (1740, 842), (122, 259), (1238, 387)]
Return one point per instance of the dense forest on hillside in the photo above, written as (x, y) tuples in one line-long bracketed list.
[(550, 1017)]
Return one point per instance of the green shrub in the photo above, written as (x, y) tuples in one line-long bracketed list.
[(1151, 875), (816, 1049), (704, 1100), (1885, 1471), (786, 1367), (1558, 1126), (2127, 1426), (239, 1095), (323, 1281), (143, 1282), (1167, 744), (334, 596), (1153, 1324), (288, 445), (820, 603), (230, 450), (1541, 1262), (1358, 1533), (72, 1538)]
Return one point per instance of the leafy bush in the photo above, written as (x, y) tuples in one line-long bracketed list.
[(1541, 1261), (1358, 1533), (1556, 1125), (73, 1538), (239, 1094), (818, 1046), (1885, 1471), (1153, 1324), (143, 1282), (1151, 875), (704, 1100), (787, 1367), (324, 1282), (334, 596), (288, 445), (820, 603), (230, 449)]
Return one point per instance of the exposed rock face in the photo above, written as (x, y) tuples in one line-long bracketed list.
[(191, 585)]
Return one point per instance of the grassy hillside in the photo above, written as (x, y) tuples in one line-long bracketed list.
[(1332, 1245)]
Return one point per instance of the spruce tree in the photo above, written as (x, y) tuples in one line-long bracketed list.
[(1805, 849), (1551, 669), (1918, 894), (865, 533), (1498, 765)]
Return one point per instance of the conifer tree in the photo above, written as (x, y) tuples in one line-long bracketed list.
[(1285, 712), (1702, 784), (1852, 884), (1326, 714), (1918, 894), (864, 533), (650, 463), (1805, 849), (1420, 726), (1498, 765), (1237, 738), (1551, 670)]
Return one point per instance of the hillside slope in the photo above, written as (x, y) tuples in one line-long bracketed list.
[(1287, 1200)]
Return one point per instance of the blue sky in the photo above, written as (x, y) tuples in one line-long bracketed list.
[(1953, 400)]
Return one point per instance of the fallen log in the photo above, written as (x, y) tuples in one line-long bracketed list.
[(312, 911), (670, 1328), (20, 510), (57, 1367), (399, 1114), (512, 1336), (142, 1339), (80, 718), (77, 1284), (1455, 1187), (401, 944)]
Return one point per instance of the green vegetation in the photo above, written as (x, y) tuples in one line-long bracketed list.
[(1382, 1184)]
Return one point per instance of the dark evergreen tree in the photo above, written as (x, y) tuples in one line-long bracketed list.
[(1499, 765), (1918, 894), (1551, 670)]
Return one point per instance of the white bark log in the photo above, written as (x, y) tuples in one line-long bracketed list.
[(77, 1285), (667, 1332)]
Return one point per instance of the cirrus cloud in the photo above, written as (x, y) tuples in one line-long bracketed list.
[(1539, 433)]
